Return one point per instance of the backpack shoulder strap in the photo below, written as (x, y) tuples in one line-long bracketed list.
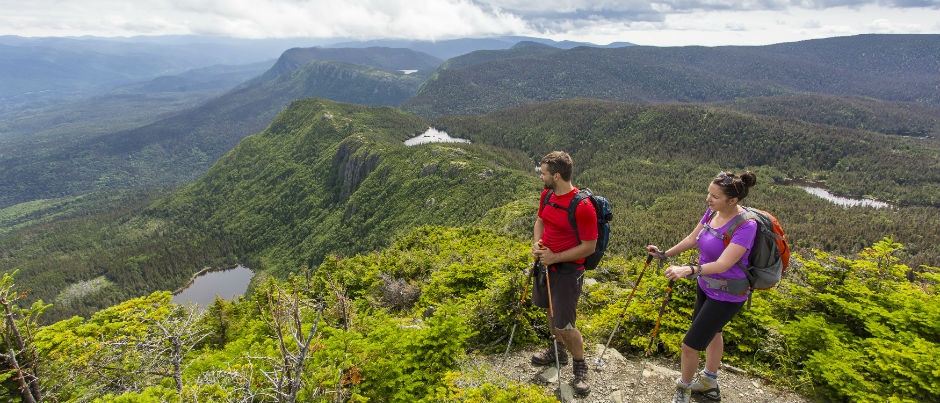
[(736, 222), (573, 209), (739, 219), (543, 201)]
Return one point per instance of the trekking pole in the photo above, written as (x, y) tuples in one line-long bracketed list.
[(551, 324), (512, 333), (599, 361), (662, 309)]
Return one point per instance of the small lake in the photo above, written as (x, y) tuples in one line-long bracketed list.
[(843, 201), (227, 284), (433, 135)]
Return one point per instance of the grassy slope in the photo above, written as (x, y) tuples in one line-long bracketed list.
[(332, 178)]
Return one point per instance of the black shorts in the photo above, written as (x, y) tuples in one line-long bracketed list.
[(566, 282), (708, 318)]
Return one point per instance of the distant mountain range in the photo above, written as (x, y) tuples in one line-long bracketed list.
[(886, 67), (174, 128), (49, 69), (447, 49)]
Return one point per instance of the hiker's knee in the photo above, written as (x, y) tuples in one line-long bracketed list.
[(570, 335), (568, 331)]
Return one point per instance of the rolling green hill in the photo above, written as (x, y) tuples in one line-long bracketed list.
[(330, 178), (337, 178), (179, 148), (323, 178), (899, 118)]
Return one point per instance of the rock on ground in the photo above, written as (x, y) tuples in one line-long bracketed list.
[(620, 380)]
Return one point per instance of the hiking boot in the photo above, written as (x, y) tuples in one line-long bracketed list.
[(547, 357), (707, 386), (580, 381), (683, 393)]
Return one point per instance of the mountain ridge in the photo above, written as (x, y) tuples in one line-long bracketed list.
[(887, 67), (328, 178), (179, 148)]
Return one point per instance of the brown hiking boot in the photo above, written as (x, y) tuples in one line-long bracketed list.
[(580, 381), (547, 357)]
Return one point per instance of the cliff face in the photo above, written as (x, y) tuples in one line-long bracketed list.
[(354, 163)]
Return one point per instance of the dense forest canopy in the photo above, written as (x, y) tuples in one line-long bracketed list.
[(332, 178)]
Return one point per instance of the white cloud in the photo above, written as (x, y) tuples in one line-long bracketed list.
[(664, 22), (765, 27)]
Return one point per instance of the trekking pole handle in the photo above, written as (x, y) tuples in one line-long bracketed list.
[(541, 246), (655, 251), (538, 260)]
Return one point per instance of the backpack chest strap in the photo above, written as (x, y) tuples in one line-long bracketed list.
[(572, 209), (729, 232), (735, 223)]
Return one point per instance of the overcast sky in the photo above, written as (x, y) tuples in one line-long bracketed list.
[(658, 23)]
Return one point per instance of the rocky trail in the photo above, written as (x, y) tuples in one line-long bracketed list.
[(619, 380)]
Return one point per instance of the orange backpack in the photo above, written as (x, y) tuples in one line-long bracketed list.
[(770, 254)]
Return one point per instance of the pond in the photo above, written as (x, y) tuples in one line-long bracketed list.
[(433, 135), (227, 284), (842, 201)]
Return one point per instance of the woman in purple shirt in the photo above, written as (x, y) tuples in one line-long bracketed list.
[(722, 286)]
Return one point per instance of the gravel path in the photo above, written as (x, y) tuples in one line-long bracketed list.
[(619, 379)]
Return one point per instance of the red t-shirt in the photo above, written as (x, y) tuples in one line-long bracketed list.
[(558, 235)]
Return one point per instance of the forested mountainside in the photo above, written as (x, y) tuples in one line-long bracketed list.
[(378, 57), (521, 49), (898, 118), (886, 67), (381, 266), (850, 162), (180, 148), (451, 48), (177, 149), (330, 178)]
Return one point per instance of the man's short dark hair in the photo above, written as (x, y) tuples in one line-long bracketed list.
[(559, 162)]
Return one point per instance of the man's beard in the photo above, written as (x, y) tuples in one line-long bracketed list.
[(549, 184)]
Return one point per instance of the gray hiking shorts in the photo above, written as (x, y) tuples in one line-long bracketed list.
[(566, 282)]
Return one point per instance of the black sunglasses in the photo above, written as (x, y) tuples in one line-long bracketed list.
[(725, 178)]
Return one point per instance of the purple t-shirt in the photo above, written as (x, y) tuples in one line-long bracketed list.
[(710, 247)]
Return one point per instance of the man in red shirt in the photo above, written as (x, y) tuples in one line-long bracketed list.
[(558, 248)]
